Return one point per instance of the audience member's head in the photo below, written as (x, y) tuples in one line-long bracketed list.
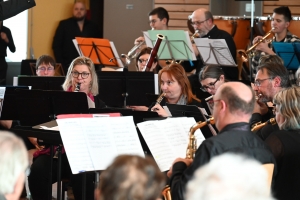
[(202, 20), (233, 103), (230, 177), (211, 77), (131, 177), (174, 82), (13, 164), (79, 11), (142, 59), (159, 18), (45, 66), (287, 108), (82, 70), (271, 77)]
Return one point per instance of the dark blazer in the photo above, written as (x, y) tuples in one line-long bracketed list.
[(11, 8)]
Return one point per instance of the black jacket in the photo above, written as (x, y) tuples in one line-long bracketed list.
[(236, 138), (11, 8)]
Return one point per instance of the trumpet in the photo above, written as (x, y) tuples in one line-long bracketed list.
[(249, 53), (191, 149), (132, 53), (260, 125)]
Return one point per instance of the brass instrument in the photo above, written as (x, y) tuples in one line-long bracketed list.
[(132, 53), (77, 88), (260, 125), (190, 152), (195, 35), (249, 53)]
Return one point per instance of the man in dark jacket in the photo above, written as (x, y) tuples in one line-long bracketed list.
[(76, 26), (233, 106)]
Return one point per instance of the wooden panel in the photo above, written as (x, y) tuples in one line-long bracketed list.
[(181, 23), (181, 8), (182, 1), (269, 10), (179, 15)]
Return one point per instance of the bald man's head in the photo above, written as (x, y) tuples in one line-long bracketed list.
[(202, 13), (238, 96)]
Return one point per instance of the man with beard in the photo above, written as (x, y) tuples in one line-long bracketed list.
[(271, 77), (76, 26)]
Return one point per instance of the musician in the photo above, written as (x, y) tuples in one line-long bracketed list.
[(13, 164), (142, 59), (271, 77), (203, 21), (285, 143), (81, 71), (211, 77), (280, 22), (11, 8), (175, 84), (229, 176), (131, 177), (45, 66), (233, 106)]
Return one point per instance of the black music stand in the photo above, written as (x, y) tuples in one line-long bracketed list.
[(119, 89), (289, 52), (40, 106), (42, 82)]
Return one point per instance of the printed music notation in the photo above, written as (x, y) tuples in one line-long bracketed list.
[(92, 143), (168, 139)]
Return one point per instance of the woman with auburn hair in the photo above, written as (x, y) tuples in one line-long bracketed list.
[(176, 86), (285, 143)]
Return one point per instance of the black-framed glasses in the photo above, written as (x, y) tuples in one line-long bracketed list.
[(83, 74), (198, 23), (141, 60), (258, 82), (46, 68), (210, 86)]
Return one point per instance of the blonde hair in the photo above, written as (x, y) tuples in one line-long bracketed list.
[(89, 63)]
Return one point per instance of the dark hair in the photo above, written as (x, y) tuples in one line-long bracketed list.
[(178, 72), (208, 15), (161, 13), (235, 103), (131, 177), (46, 59), (210, 71), (285, 11), (146, 50), (270, 58), (274, 70)]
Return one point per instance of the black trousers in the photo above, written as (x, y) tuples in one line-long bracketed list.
[(39, 178), (3, 70)]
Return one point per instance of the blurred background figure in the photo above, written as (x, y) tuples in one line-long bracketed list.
[(131, 177), (45, 66), (142, 59), (13, 164), (285, 143), (6, 40), (230, 176)]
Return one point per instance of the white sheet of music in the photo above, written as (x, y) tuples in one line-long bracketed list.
[(214, 51), (168, 139), (93, 143)]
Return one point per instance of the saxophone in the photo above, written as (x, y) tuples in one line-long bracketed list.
[(260, 125), (190, 152)]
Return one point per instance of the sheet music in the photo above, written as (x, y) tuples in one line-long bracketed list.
[(167, 139), (100, 139), (77, 47), (115, 52), (214, 51), (2, 93)]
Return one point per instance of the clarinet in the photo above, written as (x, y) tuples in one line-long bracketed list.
[(77, 88), (154, 52)]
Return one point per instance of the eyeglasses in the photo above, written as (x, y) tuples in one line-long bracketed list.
[(83, 74), (46, 68), (198, 23), (210, 86), (258, 82), (141, 60)]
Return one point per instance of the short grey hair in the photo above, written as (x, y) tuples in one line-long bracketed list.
[(13, 161), (230, 176)]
